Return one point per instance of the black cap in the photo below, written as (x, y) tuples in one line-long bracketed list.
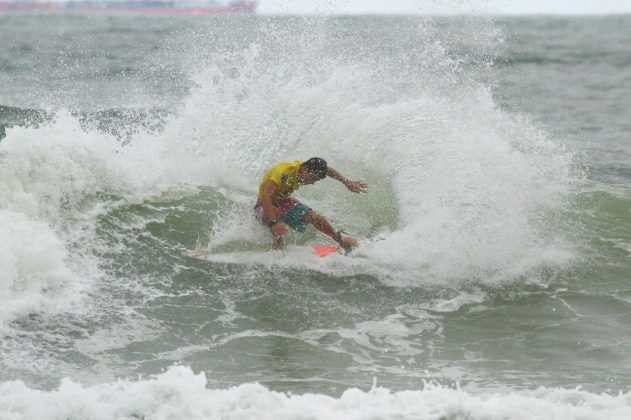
[(316, 165)]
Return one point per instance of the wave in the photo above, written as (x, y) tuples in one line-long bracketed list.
[(458, 185), (180, 393), (460, 189), (467, 202)]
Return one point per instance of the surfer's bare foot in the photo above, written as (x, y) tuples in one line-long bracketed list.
[(348, 242)]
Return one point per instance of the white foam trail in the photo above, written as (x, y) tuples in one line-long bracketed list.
[(179, 393)]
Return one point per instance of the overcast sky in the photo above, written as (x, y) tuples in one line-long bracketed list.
[(445, 6)]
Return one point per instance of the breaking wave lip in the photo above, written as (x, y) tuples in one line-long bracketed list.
[(180, 393)]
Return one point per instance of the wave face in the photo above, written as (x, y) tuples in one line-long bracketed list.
[(492, 275)]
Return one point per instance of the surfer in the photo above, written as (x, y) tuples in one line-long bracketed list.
[(277, 209)]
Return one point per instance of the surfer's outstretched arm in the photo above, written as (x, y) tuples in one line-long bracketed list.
[(354, 186)]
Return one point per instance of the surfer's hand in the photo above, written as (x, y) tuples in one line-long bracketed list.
[(279, 229), (356, 186)]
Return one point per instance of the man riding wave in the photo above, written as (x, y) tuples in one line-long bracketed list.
[(278, 209)]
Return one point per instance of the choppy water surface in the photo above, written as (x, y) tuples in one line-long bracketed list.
[(496, 279)]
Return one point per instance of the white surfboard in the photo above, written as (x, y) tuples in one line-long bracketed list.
[(270, 257)]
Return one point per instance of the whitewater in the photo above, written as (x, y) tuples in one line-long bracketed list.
[(493, 280)]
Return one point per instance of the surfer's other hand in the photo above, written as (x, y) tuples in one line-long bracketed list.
[(280, 229)]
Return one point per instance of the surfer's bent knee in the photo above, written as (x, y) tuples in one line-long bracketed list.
[(311, 216)]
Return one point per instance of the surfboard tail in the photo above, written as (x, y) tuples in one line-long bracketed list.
[(324, 250)]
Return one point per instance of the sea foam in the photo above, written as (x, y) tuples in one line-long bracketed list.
[(179, 393), (33, 272)]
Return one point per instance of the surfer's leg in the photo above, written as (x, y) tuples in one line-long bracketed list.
[(319, 222), (323, 225), (278, 243), (258, 213)]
